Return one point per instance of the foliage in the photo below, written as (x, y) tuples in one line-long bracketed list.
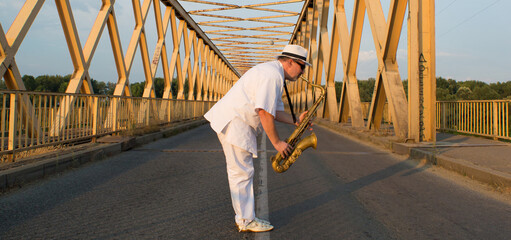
[(463, 93), (102, 87), (46, 83), (2, 85), (365, 88), (503, 89), (338, 89), (137, 89), (485, 93), (447, 89)]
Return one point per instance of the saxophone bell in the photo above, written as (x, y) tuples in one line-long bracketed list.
[(281, 165)]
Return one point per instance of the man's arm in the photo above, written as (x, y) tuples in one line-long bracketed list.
[(284, 117), (267, 120)]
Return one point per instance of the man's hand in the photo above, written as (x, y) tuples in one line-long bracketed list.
[(283, 148), (302, 116)]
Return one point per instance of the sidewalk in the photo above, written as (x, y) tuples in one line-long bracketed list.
[(484, 160)]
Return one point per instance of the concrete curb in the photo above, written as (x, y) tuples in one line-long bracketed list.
[(18, 176), (496, 179), (482, 174)]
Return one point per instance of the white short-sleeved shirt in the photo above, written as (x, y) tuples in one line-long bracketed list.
[(259, 88)]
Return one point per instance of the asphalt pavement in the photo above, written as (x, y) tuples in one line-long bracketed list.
[(482, 159), (176, 188)]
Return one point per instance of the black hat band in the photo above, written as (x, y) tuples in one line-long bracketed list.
[(294, 55)]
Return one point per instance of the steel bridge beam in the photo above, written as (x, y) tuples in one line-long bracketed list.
[(413, 118), (212, 65)]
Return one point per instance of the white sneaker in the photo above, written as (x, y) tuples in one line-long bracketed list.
[(257, 225), (262, 220)]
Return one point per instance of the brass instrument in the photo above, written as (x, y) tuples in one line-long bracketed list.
[(281, 164)]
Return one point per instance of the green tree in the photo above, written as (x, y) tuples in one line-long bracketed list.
[(159, 85), (338, 89), (63, 87), (463, 93), (472, 84), (30, 82), (443, 94), (137, 89), (453, 86), (366, 88), (174, 87), (2, 85), (503, 89), (484, 93), (405, 87), (51, 83), (98, 87), (110, 88), (447, 88)]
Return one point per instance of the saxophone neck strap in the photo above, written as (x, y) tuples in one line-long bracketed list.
[(289, 101)]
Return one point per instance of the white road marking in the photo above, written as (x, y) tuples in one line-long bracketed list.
[(262, 210)]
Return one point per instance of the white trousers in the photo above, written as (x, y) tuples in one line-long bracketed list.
[(240, 172)]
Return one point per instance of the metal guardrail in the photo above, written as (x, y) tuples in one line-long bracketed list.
[(487, 118), (484, 118), (32, 120)]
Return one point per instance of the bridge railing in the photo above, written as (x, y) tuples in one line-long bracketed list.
[(484, 118), (487, 118), (29, 119)]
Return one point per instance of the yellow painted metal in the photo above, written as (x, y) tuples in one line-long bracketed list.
[(350, 46), (421, 71), (192, 80), (211, 61), (84, 122), (82, 56), (489, 118), (246, 34), (80, 80), (9, 45), (175, 62), (386, 34), (322, 62), (388, 78), (13, 119), (313, 53), (11, 41), (122, 86)]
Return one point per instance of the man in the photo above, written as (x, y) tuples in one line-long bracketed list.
[(255, 100)]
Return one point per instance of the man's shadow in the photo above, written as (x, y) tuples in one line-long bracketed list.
[(342, 192)]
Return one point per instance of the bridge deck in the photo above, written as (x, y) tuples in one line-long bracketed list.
[(176, 188)]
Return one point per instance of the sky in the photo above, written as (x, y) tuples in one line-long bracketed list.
[(472, 41)]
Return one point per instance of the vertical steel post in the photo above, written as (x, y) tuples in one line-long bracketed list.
[(12, 125), (421, 71)]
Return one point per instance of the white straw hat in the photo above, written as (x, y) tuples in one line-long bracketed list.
[(295, 52)]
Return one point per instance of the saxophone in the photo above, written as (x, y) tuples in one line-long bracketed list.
[(281, 164)]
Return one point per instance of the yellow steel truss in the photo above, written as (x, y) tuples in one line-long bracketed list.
[(247, 34), (418, 126), (216, 41)]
